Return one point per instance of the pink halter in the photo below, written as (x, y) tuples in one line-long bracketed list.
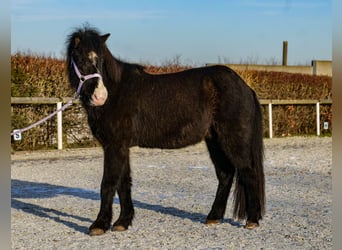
[(82, 77)]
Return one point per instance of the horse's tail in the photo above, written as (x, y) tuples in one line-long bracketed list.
[(258, 154), (257, 158)]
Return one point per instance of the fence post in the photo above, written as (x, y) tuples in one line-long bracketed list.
[(318, 119), (59, 127), (270, 120)]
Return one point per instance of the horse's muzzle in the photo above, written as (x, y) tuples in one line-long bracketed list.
[(99, 97)]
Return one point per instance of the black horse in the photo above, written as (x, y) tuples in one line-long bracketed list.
[(128, 107)]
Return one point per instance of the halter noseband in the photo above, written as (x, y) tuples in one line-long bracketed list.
[(82, 78)]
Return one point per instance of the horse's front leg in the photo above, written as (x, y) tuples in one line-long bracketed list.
[(126, 204), (115, 166)]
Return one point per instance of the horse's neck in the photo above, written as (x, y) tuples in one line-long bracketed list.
[(114, 68)]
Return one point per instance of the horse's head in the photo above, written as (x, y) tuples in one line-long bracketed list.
[(85, 65)]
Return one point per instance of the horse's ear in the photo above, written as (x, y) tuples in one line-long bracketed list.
[(105, 37), (76, 42)]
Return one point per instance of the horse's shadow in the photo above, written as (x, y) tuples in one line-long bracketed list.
[(31, 190)]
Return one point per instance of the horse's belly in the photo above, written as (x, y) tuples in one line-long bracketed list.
[(171, 138), (174, 123)]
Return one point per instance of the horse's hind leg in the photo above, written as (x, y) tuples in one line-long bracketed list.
[(232, 158), (225, 174), (249, 183)]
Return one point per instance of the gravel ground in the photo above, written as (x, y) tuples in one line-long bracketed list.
[(55, 198)]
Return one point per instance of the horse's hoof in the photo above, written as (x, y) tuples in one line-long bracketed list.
[(251, 225), (96, 231), (118, 228), (212, 222)]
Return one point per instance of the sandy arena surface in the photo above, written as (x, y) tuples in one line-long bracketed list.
[(55, 198)]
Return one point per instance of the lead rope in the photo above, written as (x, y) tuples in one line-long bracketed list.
[(16, 133)]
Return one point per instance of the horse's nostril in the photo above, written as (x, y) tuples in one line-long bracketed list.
[(99, 97)]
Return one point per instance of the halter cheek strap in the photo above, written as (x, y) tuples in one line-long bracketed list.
[(81, 77)]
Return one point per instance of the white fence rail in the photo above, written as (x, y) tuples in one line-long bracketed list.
[(269, 103)]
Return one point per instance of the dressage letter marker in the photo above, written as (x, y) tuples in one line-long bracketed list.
[(16, 135)]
